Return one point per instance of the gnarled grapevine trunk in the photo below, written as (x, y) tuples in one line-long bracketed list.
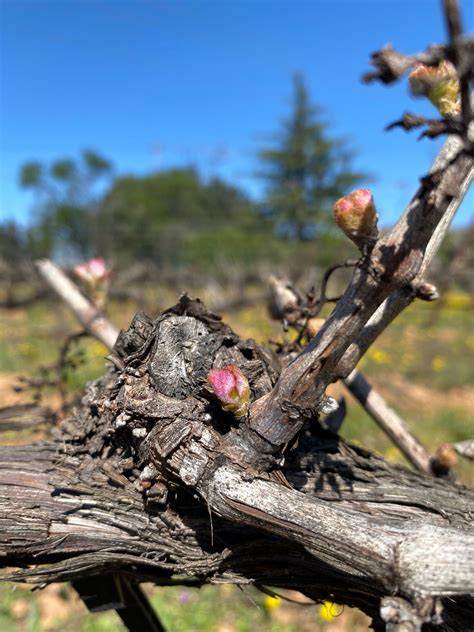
[(151, 478)]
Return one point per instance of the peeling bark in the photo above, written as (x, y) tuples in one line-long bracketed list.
[(151, 478)]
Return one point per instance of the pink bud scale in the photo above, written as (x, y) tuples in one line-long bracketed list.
[(356, 216), (232, 388)]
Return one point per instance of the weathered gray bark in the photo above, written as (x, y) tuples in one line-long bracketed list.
[(383, 284), (151, 478)]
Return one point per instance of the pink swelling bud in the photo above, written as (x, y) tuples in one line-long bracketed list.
[(93, 271), (356, 216), (440, 84), (232, 388), (95, 276)]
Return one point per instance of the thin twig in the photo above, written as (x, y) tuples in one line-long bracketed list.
[(323, 299), (388, 420), (465, 448), (374, 404), (21, 416), (396, 261), (434, 126), (91, 318), (403, 297)]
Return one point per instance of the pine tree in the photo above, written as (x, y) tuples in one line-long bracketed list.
[(306, 172)]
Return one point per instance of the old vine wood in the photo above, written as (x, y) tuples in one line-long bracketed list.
[(343, 523)]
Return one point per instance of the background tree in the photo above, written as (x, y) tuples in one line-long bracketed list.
[(161, 216), (66, 193), (173, 218), (306, 170)]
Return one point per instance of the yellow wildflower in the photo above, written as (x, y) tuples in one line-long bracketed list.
[(271, 602), (328, 611), (379, 356)]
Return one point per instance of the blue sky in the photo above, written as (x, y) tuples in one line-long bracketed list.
[(153, 84)]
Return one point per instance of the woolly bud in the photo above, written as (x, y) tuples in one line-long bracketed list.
[(427, 292), (232, 388), (446, 455), (283, 299), (356, 216), (439, 84)]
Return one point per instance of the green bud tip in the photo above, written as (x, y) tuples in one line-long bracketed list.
[(439, 84)]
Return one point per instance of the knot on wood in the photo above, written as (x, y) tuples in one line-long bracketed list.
[(156, 405)]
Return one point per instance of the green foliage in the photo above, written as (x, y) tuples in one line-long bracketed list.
[(63, 170), (95, 163), (31, 174), (65, 199), (250, 244), (230, 247), (174, 218), (306, 171), (157, 217)]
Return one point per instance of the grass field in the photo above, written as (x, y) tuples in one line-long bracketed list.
[(422, 365)]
